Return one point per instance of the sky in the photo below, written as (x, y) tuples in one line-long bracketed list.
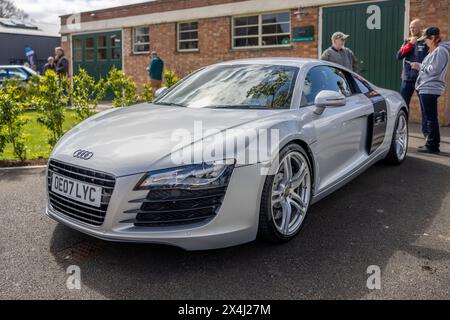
[(48, 11)]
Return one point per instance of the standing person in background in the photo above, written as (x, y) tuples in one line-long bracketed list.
[(339, 54), (62, 69), (155, 71), (431, 85), (62, 63), (411, 51), (31, 57), (50, 65)]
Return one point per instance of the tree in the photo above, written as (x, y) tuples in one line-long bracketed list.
[(9, 10)]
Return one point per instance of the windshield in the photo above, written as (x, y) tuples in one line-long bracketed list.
[(235, 86)]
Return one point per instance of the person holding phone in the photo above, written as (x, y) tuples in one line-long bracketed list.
[(431, 84), (412, 50)]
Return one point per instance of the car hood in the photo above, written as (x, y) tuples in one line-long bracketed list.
[(131, 140)]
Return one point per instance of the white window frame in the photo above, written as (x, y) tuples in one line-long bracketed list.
[(179, 40), (260, 35), (134, 43)]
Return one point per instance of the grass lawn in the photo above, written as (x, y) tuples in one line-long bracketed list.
[(37, 145)]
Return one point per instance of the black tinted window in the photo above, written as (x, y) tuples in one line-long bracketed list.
[(324, 78), (363, 87)]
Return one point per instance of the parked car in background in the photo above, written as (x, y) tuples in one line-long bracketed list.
[(117, 176), (16, 72)]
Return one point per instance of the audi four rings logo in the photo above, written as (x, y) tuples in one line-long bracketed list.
[(83, 154)]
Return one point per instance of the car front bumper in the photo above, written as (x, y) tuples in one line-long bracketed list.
[(235, 223)]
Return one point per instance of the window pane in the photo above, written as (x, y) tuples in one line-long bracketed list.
[(115, 41), (188, 26), (116, 54), (142, 40), (17, 74), (142, 48), (363, 86), (248, 85), (276, 40), (77, 43), (246, 42), (189, 45), (246, 31), (101, 42), (188, 35), (90, 55), (102, 54), (141, 31), (3, 74), (245, 21), (89, 42), (276, 17), (323, 78), (78, 55), (276, 28)]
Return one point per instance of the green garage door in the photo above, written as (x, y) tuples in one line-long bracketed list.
[(97, 53), (377, 31)]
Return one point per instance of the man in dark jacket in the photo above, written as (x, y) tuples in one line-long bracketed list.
[(62, 63), (412, 51), (155, 71), (339, 54)]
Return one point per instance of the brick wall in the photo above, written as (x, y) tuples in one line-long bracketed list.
[(214, 46)]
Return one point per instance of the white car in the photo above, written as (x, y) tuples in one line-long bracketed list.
[(159, 173)]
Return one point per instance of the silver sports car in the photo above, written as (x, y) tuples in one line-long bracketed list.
[(236, 151)]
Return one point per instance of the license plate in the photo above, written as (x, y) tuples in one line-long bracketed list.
[(76, 190)]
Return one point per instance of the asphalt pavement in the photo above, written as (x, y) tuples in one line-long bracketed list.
[(394, 218)]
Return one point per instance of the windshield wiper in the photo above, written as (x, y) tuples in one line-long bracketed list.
[(170, 104), (239, 106)]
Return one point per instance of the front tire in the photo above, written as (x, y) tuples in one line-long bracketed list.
[(399, 146), (286, 196)]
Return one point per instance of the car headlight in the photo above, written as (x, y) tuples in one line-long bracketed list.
[(205, 175)]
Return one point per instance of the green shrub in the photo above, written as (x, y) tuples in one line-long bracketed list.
[(170, 78), (123, 88), (12, 119), (51, 102), (147, 94), (86, 94)]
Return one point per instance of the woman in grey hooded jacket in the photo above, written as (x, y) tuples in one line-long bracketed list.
[(431, 85)]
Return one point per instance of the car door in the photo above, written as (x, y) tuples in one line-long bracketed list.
[(341, 132), (377, 120)]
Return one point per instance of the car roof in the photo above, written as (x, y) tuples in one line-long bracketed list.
[(11, 66)]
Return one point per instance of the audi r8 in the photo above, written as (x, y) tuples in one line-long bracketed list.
[(163, 172)]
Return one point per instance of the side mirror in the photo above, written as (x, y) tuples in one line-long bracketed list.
[(328, 99), (160, 91)]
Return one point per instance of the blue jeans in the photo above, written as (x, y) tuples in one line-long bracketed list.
[(407, 90), (430, 120)]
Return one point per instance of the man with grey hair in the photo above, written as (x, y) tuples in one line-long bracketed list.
[(61, 62), (340, 54)]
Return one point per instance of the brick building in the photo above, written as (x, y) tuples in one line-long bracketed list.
[(189, 34)]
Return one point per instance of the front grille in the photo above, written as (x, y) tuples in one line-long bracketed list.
[(168, 207), (72, 208)]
